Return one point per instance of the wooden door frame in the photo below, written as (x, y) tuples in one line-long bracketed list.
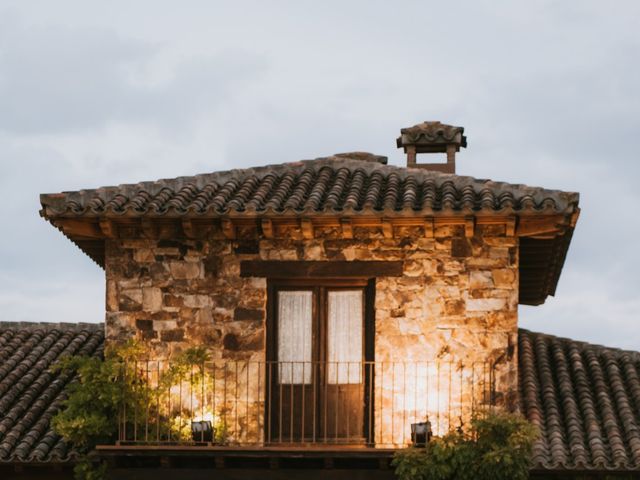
[(368, 285)]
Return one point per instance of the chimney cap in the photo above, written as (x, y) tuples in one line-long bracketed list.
[(432, 137)]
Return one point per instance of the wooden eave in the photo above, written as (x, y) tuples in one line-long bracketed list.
[(544, 236)]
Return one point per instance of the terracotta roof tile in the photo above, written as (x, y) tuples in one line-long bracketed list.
[(337, 184), (585, 399), (30, 393)]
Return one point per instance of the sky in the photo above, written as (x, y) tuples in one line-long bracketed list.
[(102, 93)]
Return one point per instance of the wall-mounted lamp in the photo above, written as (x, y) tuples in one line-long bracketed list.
[(202, 431), (421, 433)]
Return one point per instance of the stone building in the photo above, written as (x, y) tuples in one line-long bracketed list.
[(341, 300)]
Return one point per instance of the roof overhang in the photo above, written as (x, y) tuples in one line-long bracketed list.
[(543, 238)]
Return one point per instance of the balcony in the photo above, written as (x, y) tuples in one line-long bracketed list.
[(331, 405)]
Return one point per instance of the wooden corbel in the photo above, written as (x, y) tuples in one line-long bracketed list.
[(149, 230), (510, 227), (428, 227), (228, 229), (267, 227), (387, 229), (107, 228), (307, 228), (347, 228), (469, 226), (188, 228)]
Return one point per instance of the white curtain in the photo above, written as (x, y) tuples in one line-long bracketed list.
[(294, 336), (344, 331)]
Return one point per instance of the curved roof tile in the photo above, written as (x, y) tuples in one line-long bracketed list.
[(584, 399), (31, 392), (311, 187)]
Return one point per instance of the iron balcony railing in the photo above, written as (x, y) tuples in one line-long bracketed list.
[(247, 403)]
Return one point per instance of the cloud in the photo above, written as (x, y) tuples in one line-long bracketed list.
[(58, 79), (95, 94)]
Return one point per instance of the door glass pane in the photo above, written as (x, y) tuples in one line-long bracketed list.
[(344, 332), (294, 336)]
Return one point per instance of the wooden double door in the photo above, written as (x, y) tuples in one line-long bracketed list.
[(319, 351)]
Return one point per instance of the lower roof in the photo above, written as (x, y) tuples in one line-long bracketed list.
[(584, 398)]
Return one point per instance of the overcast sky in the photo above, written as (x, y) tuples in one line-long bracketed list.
[(101, 93)]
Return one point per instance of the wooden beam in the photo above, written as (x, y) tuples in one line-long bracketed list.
[(314, 269), (347, 227), (80, 228), (510, 227), (469, 226), (428, 227), (307, 228), (108, 228), (149, 230), (267, 227), (188, 228), (228, 229), (387, 229), (530, 226)]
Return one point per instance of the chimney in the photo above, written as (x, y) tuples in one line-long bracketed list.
[(432, 137)]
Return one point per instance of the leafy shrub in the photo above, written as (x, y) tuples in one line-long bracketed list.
[(107, 386), (497, 447)]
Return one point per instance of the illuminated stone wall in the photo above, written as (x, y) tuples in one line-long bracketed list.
[(455, 307)]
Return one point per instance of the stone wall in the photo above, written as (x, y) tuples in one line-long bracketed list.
[(456, 303)]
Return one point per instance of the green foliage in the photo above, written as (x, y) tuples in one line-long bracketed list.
[(85, 469), (94, 400), (106, 387), (497, 447)]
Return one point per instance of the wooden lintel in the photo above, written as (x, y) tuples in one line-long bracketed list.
[(307, 228), (387, 229), (80, 228), (510, 227), (149, 230), (228, 229), (469, 226), (347, 227), (267, 227), (188, 228), (428, 227), (107, 227), (320, 269)]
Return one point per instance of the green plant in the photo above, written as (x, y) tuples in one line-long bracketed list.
[(106, 387), (497, 447)]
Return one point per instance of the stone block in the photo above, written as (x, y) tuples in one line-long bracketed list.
[(173, 335), (455, 307), (504, 278), (142, 324), (197, 301), (111, 296), (130, 299), (185, 270), (480, 279), (486, 304), (151, 299), (143, 255)]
